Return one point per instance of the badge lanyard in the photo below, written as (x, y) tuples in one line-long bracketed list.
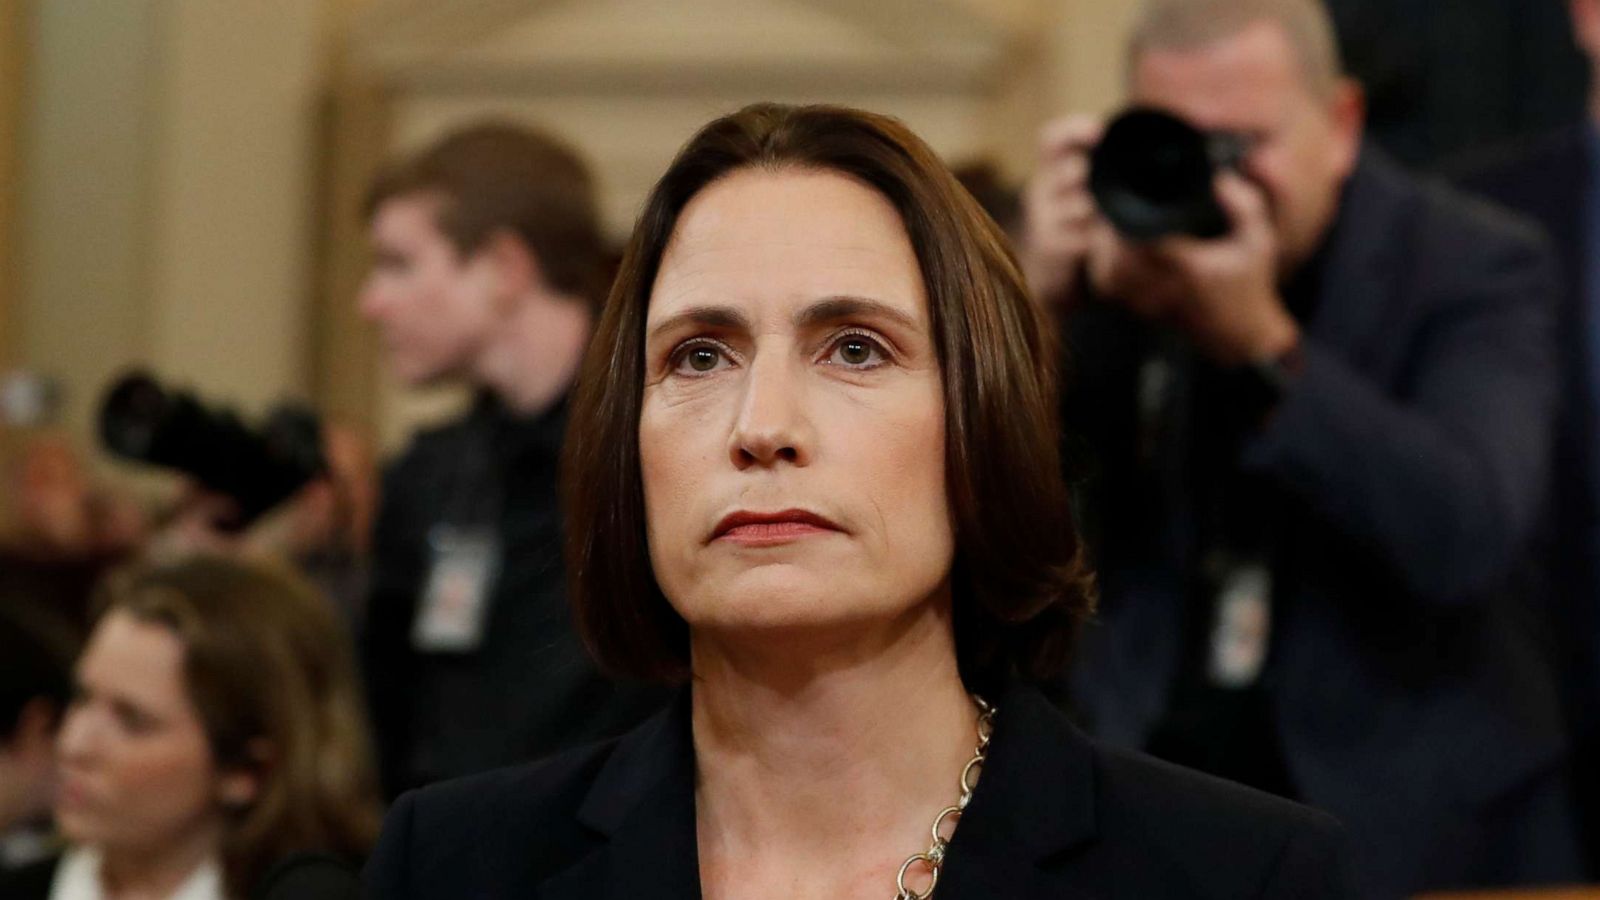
[(466, 554)]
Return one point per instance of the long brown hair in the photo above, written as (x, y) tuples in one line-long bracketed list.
[(1021, 585), (267, 665)]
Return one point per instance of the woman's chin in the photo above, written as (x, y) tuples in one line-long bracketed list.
[(796, 625), (782, 595), (78, 827)]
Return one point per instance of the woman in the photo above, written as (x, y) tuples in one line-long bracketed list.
[(215, 732), (813, 475)]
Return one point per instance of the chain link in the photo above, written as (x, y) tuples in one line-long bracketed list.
[(932, 859)]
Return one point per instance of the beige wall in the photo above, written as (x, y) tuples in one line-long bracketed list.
[(85, 210), (1085, 65), (15, 18), (167, 188), (231, 215)]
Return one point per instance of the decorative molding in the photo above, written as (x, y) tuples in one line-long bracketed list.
[(476, 46), (713, 78), (431, 27)]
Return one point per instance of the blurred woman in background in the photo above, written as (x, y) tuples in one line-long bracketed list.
[(216, 730)]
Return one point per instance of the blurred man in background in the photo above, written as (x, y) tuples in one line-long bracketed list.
[(1314, 448), (1555, 179), (488, 267)]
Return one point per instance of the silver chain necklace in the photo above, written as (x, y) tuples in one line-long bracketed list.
[(932, 859)]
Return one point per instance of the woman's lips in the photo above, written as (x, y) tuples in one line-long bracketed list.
[(763, 534), (767, 529)]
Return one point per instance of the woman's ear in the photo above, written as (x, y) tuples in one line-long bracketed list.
[(238, 789), (239, 786)]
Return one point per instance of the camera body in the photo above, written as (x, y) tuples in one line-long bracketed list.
[(1152, 175), (256, 468)]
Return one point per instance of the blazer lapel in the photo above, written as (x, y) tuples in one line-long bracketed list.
[(1035, 802), (641, 805)]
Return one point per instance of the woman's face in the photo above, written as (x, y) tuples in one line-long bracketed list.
[(792, 430), (136, 768)]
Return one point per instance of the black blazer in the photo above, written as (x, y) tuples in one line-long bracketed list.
[(1549, 180), (1054, 815)]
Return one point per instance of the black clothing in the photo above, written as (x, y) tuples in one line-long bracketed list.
[(1054, 815), (1552, 180), (1388, 494), (30, 882), (530, 688)]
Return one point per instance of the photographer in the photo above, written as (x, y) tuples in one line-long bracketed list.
[(1313, 447), (488, 268)]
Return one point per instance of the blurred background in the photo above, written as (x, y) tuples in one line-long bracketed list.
[(181, 178), (182, 186)]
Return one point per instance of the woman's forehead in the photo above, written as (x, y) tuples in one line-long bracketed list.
[(766, 238), (142, 661)]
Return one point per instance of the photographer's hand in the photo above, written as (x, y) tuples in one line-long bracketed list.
[(1232, 308), (1138, 277), (1059, 214), (194, 526)]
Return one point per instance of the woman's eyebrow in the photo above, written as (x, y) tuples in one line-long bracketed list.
[(705, 316), (821, 312), (832, 309)]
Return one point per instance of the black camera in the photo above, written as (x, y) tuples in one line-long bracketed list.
[(1152, 175), (256, 468)]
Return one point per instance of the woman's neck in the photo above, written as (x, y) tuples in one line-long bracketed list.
[(156, 873), (822, 766)]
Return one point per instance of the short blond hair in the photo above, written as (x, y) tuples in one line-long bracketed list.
[(1187, 24)]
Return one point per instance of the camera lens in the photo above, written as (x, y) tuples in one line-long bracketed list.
[(1152, 174)]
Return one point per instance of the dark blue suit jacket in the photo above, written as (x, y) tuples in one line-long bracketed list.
[(1054, 815), (1550, 180), (1412, 697)]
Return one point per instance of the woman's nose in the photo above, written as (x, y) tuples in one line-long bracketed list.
[(772, 426), (76, 742)]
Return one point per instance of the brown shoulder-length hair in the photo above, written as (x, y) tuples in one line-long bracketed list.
[(268, 667), (1021, 588)]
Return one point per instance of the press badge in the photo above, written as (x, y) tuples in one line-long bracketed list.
[(455, 601), (1242, 628)]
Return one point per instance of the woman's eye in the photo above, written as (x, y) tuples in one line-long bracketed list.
[(699, 359), (857, 352), (134, 722), (702, 360)]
